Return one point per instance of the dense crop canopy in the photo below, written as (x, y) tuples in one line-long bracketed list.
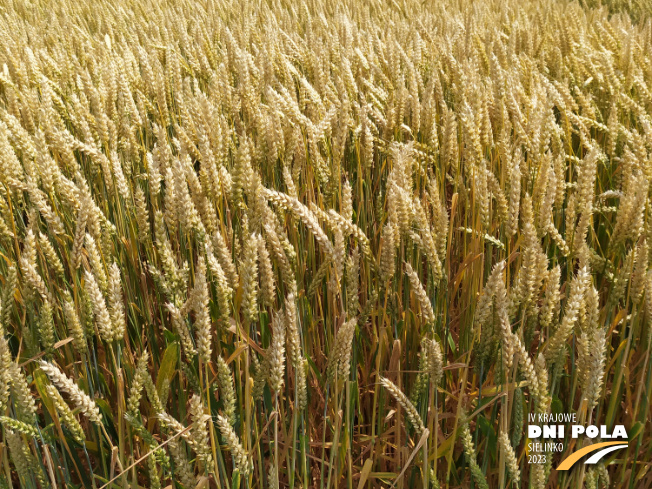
[(321, 244)]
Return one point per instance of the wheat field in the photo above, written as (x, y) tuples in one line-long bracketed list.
[(311, 244)]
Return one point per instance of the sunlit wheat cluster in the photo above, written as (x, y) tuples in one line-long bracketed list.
[(315, 244)]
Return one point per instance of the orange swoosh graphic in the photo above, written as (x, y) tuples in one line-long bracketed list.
[(568, 462)]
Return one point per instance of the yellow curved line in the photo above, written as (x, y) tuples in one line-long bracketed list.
[(569, 461)]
